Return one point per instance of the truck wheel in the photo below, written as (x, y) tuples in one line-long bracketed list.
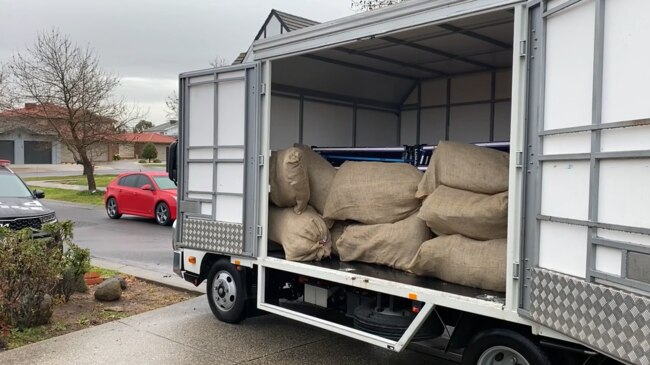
[(502, 346), (227, 292)]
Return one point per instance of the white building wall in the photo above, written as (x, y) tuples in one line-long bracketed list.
[(274, 27)]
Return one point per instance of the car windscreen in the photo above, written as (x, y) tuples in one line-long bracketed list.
[(164, 183), (13, 187)]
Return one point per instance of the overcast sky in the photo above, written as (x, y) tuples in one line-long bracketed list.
[(149, 42)]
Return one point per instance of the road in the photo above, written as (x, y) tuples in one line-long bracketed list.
[(129, 240)]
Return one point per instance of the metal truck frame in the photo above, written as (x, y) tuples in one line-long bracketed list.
[(578, 273)]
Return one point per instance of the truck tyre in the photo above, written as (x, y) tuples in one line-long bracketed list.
[(227, 292), (502, 346)]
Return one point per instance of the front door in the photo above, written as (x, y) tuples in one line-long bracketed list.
[(143, 200)]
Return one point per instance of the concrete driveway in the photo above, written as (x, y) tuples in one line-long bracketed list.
[(187, 333)]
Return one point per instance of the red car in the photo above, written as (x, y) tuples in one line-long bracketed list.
[(146, 194)]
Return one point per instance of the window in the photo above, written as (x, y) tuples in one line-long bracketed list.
[(142, 180), (13, 187), (164, 183), (129, 181)]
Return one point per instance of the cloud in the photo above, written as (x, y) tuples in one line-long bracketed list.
[(149, 42)]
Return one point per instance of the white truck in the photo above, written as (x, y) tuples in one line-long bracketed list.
[(563, 82)]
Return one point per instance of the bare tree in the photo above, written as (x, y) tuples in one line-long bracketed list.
[(73, 96), (171, 106), (364, 5), (4, 98), (219, 62)]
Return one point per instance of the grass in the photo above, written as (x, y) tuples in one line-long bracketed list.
[(100, 180), (73, 196), (19, 338), (104, 273)]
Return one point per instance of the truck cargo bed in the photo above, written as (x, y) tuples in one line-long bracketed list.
[(397, 276), (402, 277)]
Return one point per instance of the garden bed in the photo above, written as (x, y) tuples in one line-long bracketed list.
[(83, 310)]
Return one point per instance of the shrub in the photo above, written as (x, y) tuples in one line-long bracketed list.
[(116, 157), (142, 161), (149, 152), (32, 271), (156, 161)]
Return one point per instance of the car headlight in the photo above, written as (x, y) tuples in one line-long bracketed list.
[(48, 218)]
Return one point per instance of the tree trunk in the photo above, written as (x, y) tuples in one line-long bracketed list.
[(89, 171)]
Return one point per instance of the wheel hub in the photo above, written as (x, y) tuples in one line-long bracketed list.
[(501, 355), (111, 207), (161, 213), (225, 291)]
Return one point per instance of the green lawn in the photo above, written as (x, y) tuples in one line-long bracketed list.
[(100, 180), (73, 196), (104, 273)]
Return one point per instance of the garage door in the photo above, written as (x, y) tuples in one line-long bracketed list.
[(7, 151), (38, 152)]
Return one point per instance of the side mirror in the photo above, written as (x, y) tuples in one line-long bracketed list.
[(39, 194), (146, 187)]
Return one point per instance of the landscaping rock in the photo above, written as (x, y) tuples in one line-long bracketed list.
[(123, 283), (108, 291)]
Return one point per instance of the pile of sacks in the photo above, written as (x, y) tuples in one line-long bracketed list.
[(389, 213), (465, 202)]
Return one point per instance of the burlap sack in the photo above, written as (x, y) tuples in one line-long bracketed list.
[(373, 192), (390, 244), (466, 167), (304, 237), (461, 260), (479, 216), (288, 179), (320, 173), (336, 231)]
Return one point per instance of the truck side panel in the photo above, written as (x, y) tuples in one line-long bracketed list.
[(588, 231)]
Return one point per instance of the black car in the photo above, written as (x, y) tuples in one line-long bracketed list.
[(19, 206)]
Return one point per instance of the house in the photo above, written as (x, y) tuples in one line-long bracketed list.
[(166, 129), (26, 136), (277, 22), (132, 144)]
